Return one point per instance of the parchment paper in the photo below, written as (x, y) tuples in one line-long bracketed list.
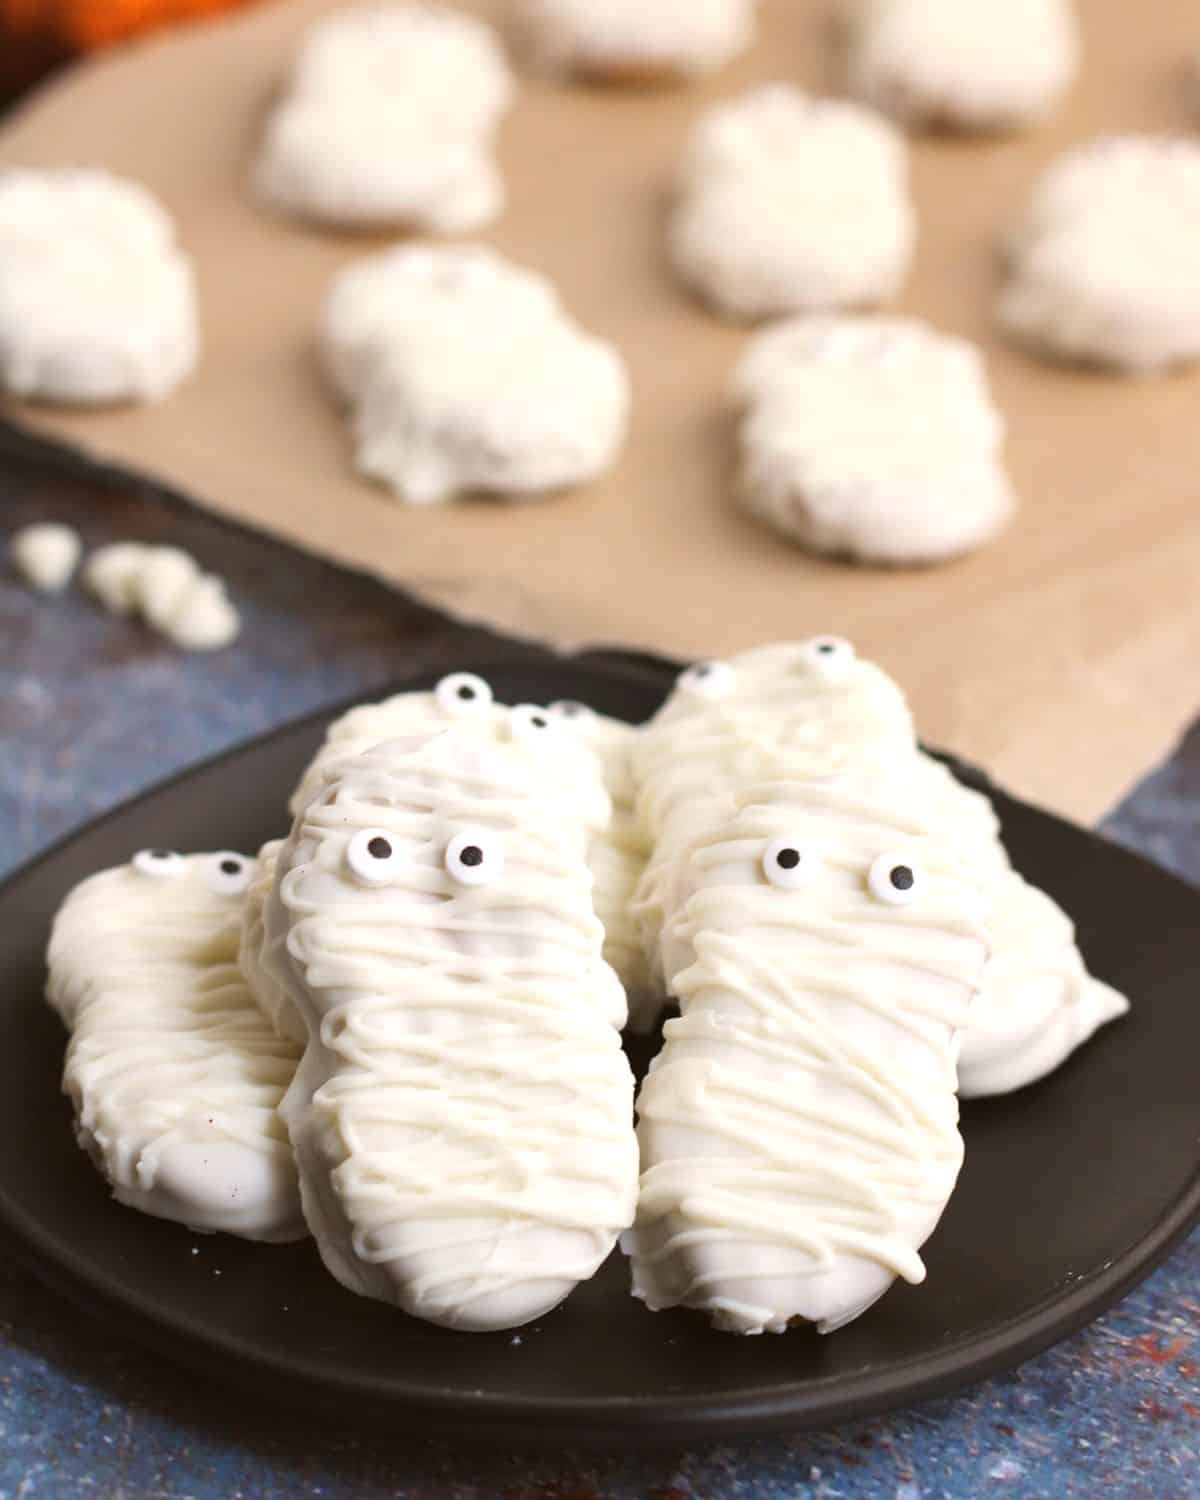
[(1064, 658)]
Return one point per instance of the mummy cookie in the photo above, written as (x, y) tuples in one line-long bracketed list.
[(617, 854), (989, 65), (874, 439), (462, 1116), (629, 41), (165, 586), (97, 301), (270, 996), (798, 1129), (174, 1074), (1038, 1003), (815, 710), (467, 376), (46, 555), (1104, 266), (791, 204), (388, 120)]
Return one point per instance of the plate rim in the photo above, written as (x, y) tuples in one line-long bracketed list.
[(659, 1420)]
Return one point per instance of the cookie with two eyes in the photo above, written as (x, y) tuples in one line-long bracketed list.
[(628, 41), (467, 375), (814, 710), (97, 300), (1103, 266), (387, 120), (798, 1129), (874, 439), (175, 1075), (616, 854), (789, 204), (462, 1116), (989, 65)]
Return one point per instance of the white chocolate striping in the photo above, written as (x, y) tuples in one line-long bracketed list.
[(174, 1074), (799, 1128), (462, 1116)]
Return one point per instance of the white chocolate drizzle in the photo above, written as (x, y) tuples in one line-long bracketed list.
[(799, 1128), (462, 1117), (174, 1074)]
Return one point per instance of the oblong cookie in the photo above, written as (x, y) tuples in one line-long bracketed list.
[(175, 1076), (461, 1118)]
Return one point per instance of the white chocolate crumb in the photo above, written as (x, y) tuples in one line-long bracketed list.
[(46, 554), (166, 587)]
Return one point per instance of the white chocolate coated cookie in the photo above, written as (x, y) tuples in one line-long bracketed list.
[(792, 204), (387, 121), (174, 1073), (798, 1129), (629, 40), (468, 376), (1038, 1002), (97, 301), (270, 996), (462, 1116), (871, 438), (1104, 267), (985, 65), (617, 854)]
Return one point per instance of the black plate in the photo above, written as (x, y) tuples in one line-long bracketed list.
[(1072, 1191)]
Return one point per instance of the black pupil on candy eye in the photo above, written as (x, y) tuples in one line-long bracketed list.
[(472, 855), (231, 867), (788, 859), (826, 648), (160, 854), (466, 691), (379, 849), (902, 878), (538, 723)]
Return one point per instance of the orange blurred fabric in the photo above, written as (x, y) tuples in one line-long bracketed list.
[(87, 24)]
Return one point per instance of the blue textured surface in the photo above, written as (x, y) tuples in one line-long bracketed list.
[(91, 710)]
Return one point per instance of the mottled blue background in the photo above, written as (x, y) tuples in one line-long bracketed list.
[(92, 710)]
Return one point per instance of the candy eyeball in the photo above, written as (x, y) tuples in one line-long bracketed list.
[(373, 856), (829, 655), (707, 679), (790, 863), (160, 864), (462, 694), (896, 879), (475, 857), (577, 715), (228, 874), (530, 725)]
